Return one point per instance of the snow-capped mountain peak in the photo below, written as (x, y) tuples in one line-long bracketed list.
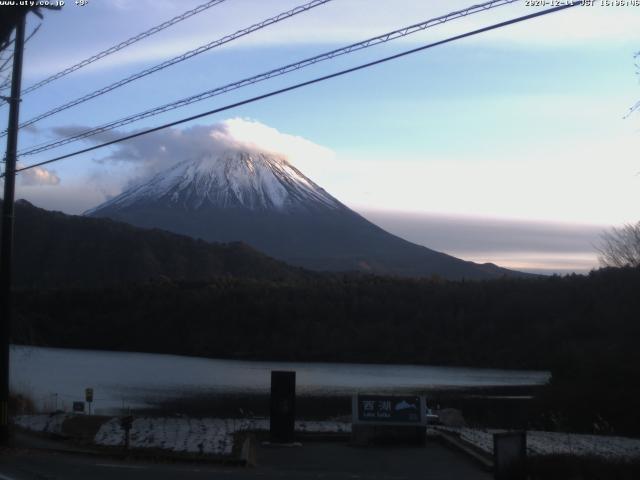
[(231, 179)]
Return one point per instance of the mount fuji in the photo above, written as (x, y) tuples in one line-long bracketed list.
[(261, 199)]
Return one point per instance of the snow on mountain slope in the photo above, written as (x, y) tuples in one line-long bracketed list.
[(249, 180)]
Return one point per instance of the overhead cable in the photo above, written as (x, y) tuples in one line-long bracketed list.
[(386, 37), (124, 44), (180, 58), (302, 84)]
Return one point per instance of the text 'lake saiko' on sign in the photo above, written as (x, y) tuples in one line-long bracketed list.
[(389, 408)]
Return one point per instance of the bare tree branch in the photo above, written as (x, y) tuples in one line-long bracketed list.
[(620, 247)]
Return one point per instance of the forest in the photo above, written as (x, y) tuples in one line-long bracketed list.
[(584, 329)]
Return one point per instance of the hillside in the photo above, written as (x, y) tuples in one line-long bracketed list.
[(52, 249)]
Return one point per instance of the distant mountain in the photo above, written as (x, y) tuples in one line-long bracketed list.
[(261, 199), (52, 249)]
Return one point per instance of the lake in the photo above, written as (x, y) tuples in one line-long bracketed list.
[(55, 377)]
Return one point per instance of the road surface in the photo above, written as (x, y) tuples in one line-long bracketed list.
[(327, 461)]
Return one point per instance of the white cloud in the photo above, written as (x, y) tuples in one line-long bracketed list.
[(536, 262), (244, 133), (589, 173), (335, 23), (149, 154), (592, 183), (544, 247), (38, 176)]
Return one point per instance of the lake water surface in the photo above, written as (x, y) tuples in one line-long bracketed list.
[(59, 376)]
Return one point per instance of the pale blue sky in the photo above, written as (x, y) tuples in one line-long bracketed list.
[(523, 124)]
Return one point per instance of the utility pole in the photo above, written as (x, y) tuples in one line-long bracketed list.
[(6, 247)]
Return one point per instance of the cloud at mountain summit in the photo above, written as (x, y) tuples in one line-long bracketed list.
[(156, 151)]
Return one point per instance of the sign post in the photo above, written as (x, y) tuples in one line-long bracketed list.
[(88, 397)]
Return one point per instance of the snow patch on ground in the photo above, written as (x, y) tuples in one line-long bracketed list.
[(46, 423), (554, 443), (215, 436), (203, 436), (206, 436), (212, 436)]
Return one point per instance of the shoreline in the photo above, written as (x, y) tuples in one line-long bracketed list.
[(500, 406)]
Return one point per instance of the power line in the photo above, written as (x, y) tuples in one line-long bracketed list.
[(6, 83), (124, 44), (386, 37), (178, 59), (5, 65), (10, 39), (635, 107), (304, 84)]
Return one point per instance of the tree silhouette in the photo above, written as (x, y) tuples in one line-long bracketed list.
[(620, 247)]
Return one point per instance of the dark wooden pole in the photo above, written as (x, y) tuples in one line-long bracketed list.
[(6, 246)]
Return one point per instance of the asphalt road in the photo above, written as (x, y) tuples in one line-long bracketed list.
[(326, 461)]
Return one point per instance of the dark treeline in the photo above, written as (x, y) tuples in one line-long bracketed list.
[(585, 329), (53, 249)]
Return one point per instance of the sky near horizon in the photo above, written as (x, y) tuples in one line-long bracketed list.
[(508, 147)]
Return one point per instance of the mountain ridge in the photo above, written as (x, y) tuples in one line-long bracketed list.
[(56, 250)]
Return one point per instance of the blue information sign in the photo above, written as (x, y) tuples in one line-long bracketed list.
[(392, 409)]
